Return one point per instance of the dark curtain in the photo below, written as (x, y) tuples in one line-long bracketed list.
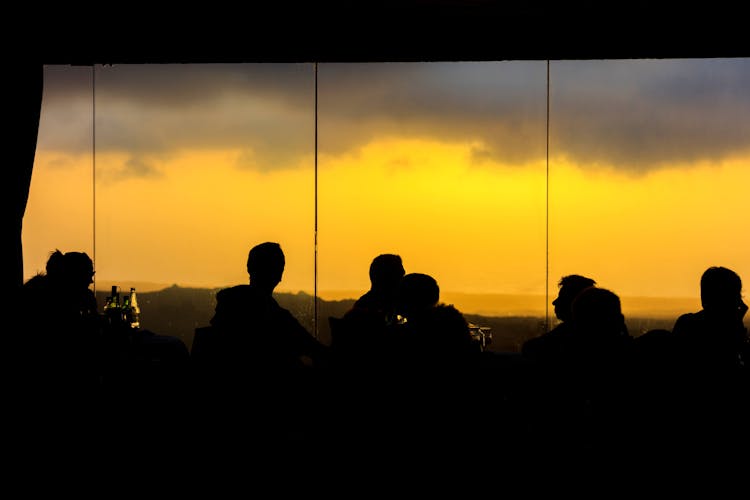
[(24, 83)]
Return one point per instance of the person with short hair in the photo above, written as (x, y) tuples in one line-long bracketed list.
[(549, 343)]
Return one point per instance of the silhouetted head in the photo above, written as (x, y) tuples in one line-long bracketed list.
[(73, 270), (570, 286), (416, 293), (265, 265), (386, 271), (597, 312), (721, 290), (79, 269), (55, 265), (448, 330)]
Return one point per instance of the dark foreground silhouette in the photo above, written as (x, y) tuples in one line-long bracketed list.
[(256, 367), (81, 378), (409, 380)]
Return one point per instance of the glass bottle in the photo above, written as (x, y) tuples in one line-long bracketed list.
[(126, 309), (112, 308), (135, 311)]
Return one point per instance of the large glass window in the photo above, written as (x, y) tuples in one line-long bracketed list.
[(59, 212), (649, 178), (443, 164), (194, 165), (168, 174)]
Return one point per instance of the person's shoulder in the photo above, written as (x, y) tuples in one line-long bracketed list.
[(561, 330), (35, 289), (233, 292), (689, 325), (690, 315), (534, 345), (366, 301), (547, 342), (556, 334), (688, 318), (36, 282)]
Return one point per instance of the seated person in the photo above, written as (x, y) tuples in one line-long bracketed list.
[(584, 386), (429, 331), (712, 353), (715, 337), (549, 344), (249, 323), (386, 271), (438, 387), (59, 318), (65, 288), (357, 338), (260, 361)]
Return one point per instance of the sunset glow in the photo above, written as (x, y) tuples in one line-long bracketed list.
[(469, 210)]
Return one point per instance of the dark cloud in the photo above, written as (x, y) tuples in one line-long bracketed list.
[(644, 114), (632, 114), (139, 167)]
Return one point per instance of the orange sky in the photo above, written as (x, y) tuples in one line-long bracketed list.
[(476, 222), (476, 229)]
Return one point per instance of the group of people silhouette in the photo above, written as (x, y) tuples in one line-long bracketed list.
[(402, 368)]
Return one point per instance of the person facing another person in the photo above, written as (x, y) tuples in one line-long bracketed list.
[(429, 332), (65, 287), (583, 384), (438, 388), (358, 336), (549, 344), (60, 324), (386, 271)]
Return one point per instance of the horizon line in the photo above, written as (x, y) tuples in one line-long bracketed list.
[(149, 286)]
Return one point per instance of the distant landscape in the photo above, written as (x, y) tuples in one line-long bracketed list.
[(177, 311)]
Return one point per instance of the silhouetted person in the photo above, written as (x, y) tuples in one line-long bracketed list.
[(549, 344), (248, 316), (61, 324), (712, 351), (260, 359), (360, 344), (716, 336), (65, 286), (602, 362), (434, 330), (386, 271), (437, 365), (357, 338), (416, 294), (588, 380), (58, 374)]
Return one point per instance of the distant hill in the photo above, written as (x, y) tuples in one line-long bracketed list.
[(178, 311)]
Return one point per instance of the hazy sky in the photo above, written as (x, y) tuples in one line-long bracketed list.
[(444, 163)]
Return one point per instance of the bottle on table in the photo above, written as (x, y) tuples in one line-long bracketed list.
[(126, 309), (112, 308), (134, 312)]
